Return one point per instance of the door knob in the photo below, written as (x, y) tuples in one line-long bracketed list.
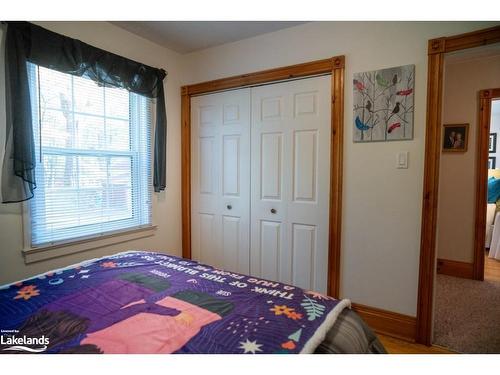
[(273, 210), (229, 206)]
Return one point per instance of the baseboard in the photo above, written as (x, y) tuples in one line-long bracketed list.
[(388, 323), (455, 268)]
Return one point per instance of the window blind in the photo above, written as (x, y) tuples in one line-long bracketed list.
[(93, 149)]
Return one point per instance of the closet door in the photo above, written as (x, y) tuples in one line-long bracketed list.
[(220, 178), (290, 167)]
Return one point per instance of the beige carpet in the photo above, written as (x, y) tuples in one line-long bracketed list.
[(467, 315)]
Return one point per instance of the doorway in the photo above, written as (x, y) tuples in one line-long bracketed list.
[(490, 123), (466, 308), (438, 48)]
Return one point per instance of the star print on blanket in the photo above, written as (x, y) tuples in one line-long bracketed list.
[(144, 302)]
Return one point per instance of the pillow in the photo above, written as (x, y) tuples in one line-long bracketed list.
[(493, 190), (494, 173)]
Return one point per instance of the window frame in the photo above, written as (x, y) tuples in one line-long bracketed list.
[(33, 253)]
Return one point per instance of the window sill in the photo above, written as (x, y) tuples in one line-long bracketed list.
[(37, 254)]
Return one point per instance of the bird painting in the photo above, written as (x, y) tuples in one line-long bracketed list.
[(383, 104), (359, 85), (360, 125), (393, 126), (405, 92), (381, 81), (396, 108)]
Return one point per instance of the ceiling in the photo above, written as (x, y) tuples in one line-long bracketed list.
[(189, 36)]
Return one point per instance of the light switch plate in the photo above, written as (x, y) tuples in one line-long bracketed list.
[(402, 160)]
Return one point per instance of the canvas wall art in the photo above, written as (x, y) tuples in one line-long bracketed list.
[(383, 104)]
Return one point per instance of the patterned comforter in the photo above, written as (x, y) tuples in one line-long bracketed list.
[(145, 302)]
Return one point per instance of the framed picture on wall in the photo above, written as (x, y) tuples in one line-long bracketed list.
[(383, 102), (493, 143), (455, 137), (492, 162)]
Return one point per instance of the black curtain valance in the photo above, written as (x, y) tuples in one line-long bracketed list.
[(26, 42)]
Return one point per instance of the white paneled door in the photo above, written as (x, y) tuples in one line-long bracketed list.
[(220, 198), (260, 181), (290, 164)]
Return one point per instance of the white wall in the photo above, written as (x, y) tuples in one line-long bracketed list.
[(166, 205), (457, 174), (381, 204)]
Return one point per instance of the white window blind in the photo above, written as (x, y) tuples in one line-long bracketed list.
[(93, 152)]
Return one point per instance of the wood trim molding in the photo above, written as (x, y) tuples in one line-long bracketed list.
[(387, 322), (436, 50), (472, 39), (485, 98), (436, 45), (186, 172), (269, 75), (430, 200), (334, 66), (464, 41), (336, 172), (455, 268), (489, 94)]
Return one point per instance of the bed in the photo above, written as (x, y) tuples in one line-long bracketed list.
[(147, 302)]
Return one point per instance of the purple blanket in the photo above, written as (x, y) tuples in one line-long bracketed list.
[(144, 302)]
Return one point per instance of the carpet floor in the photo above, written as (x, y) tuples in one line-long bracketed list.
[(467, 315)]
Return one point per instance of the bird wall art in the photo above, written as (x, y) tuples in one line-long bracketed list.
[(383, 104)]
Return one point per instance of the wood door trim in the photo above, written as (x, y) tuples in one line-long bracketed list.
[(455, 268), (464, 41), (485, 98), (186, 172), (436, 50), (265, 76), (387, 322), (334, 66)]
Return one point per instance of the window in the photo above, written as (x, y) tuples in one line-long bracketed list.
[(93, 158)]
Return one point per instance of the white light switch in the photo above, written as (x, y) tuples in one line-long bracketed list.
[(402, 160)]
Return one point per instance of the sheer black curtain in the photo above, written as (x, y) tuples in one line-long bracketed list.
[(26, 42)]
